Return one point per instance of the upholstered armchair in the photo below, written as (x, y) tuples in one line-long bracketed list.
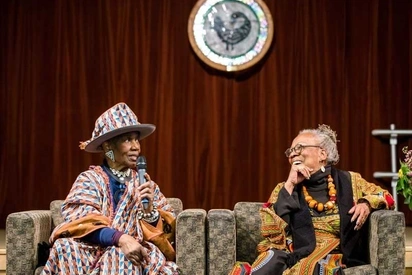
[(233, 235), (25, 230)]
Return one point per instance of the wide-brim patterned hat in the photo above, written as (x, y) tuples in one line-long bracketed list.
[(117, 120)]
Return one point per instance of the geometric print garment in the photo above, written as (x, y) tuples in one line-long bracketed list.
[(90, 194), (69, 256)]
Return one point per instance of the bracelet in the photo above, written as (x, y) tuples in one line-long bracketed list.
[(153, 217), (150, 217)]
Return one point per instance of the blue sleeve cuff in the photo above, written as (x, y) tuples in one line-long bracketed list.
[(103, 236)]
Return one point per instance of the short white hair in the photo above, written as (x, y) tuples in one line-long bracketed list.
[(327, 140)]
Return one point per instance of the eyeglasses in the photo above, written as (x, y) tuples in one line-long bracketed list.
[(298, 149)]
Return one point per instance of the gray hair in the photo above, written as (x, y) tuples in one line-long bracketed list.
[(327, 140)]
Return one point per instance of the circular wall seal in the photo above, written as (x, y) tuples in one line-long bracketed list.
[(230, 35)]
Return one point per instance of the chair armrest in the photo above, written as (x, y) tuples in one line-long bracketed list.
[(191, 241), (177, 205), (221, 241), (24, 230), (387, 241)]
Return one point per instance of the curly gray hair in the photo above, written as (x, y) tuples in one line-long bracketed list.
[(327, 140)]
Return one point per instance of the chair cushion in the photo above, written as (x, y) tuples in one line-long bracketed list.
[(361, 270)]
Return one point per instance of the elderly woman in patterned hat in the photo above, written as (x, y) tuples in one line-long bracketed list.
[(316, 222), (106, 226)]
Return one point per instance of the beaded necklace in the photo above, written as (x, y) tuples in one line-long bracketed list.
[(314, 204), (121, 174)]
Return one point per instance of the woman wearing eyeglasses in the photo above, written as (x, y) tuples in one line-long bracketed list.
[(316, 222)]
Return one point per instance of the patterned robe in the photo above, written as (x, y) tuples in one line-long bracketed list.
[(90, 195), (310, 252), (328, 229)]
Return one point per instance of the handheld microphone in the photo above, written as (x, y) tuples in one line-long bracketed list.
[(141, 170)]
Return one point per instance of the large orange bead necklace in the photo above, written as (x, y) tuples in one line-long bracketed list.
[(314, 204)]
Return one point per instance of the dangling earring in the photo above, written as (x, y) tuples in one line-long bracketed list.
[(322, 168), (110, 155)]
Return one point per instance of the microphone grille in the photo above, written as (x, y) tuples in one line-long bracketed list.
[(141, 162)]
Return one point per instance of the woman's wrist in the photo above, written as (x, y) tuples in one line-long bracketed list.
[(289, 186), (149, 209), (365, 201), (116, 237), (150, 217)]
